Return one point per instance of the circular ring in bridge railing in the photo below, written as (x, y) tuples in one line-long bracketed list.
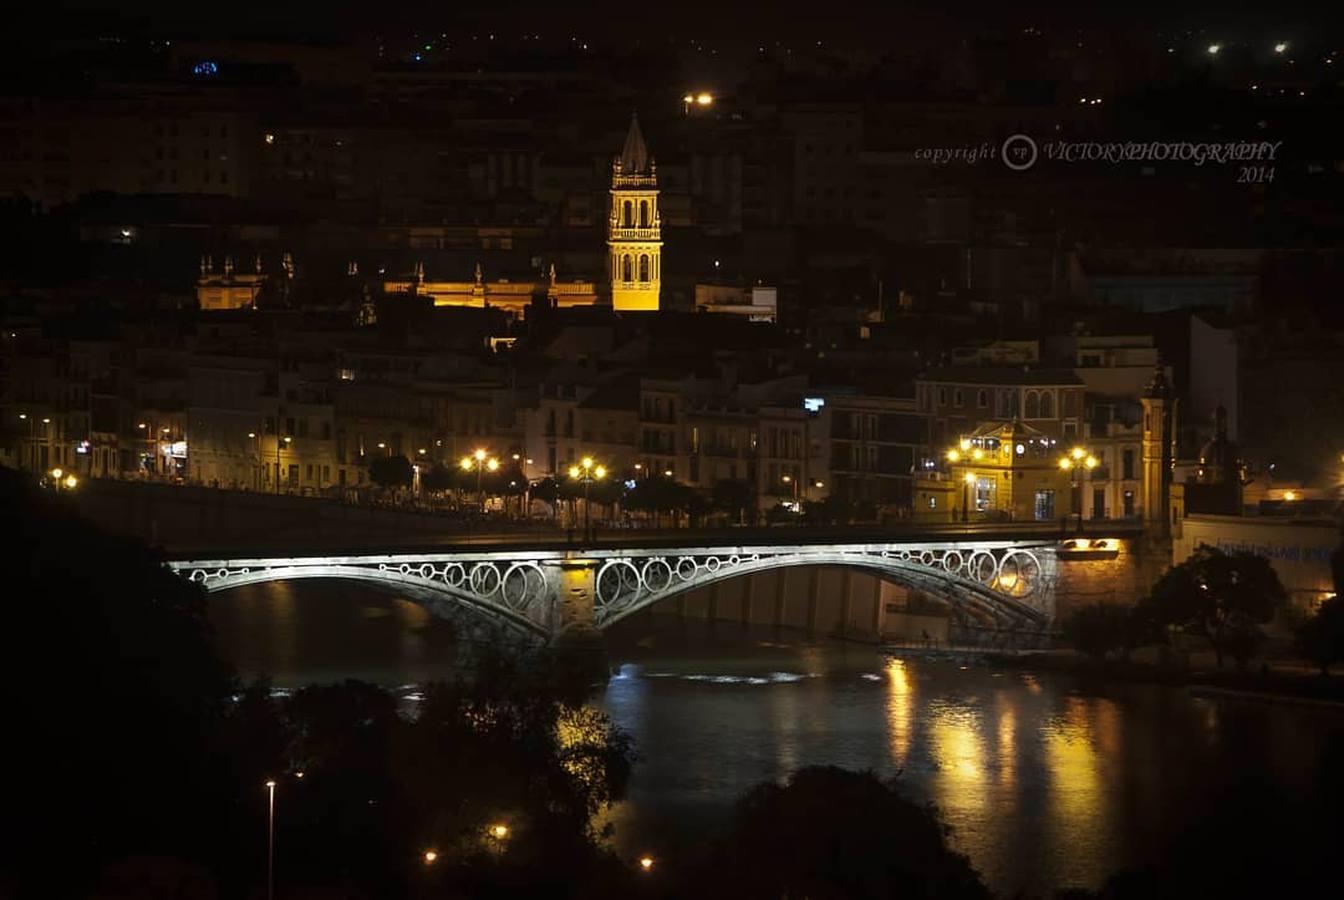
[(981, 566), (686, 568), (734, 560), (404, 568), (454, 574), (656, 575), (903, 554), (222, 573), (197, 575), (1018, 574), (426, 571), (712, 564), (485, 579), (617, 583), (926, 558), (953, 561), (522, 582)]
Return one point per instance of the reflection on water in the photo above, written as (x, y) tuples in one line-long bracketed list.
[(900, 701), (1046, 782), (1078, 803)]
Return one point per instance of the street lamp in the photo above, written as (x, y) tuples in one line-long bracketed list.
[(646, 863), (279, 441), (480, 461), (587, 472), (1077, 460), (270, 840), (793, 483), (967, 482)]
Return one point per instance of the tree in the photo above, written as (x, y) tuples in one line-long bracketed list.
[(830, 833), (391, 471), (438, 478), (1321, 637), (1224, 597), (733, 496), (659, 494)]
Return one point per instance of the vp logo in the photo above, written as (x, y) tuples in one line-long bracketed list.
[(1019, 152)]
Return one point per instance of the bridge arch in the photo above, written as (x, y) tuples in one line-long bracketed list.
[(1009, 588), (511, 595)]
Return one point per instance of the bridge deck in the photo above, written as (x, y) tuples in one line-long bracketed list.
[(554, 541)]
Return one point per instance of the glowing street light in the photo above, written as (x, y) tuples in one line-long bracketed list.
[(1281, 47), (967, 482), (429, 857), (480, 460), (587, 472), (1078, 459), (1214, 48), (499, 831), (646, 863)]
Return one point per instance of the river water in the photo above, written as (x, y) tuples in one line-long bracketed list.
[(1047, 781)]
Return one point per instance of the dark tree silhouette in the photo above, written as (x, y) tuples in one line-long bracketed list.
[(391, 471), (1321, 637), (1224, 597), (830, 833)]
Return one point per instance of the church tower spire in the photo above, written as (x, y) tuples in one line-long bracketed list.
[(634, 228)]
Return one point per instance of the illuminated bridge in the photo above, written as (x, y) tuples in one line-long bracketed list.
[(544, 591)]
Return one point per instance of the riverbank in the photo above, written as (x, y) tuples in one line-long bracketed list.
[(1273, 685)]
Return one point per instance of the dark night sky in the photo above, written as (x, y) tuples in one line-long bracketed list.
[(871, 23)]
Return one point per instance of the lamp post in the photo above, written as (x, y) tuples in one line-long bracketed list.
[(1077, 460), (480, 461), (279, 441), (967, 482), (587, 472), (257, 464), (792, 483), (270, 840)]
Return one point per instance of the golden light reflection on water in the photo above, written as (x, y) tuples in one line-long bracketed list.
[(1075, 745), (1007, 749), (959, 784), (900, 700)]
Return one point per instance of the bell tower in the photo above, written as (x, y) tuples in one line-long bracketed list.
[(1157, 404), (634, 229)]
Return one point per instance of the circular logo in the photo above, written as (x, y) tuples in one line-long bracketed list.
[(1019, 152)]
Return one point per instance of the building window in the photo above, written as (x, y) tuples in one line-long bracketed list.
[(1098, 503), (1127, 464), (643, 267), (942, 396), (627, 215), (982, 398), (1047, 405), (1070, 429), (956, 397), (643, 214), (1045, 505), (625, 269), (1033, 405), (1129, 504)]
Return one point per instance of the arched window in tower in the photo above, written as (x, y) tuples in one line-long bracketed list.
[(625, 268), (643, 267), (1033, 410), (1047, 405), (643, 214), (627, 214)]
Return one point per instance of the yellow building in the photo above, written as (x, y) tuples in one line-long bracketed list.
[(1002, 471), (229, 289), (634, 229), (513, 297)]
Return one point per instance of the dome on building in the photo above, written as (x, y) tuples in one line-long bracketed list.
[(1220, 458)]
